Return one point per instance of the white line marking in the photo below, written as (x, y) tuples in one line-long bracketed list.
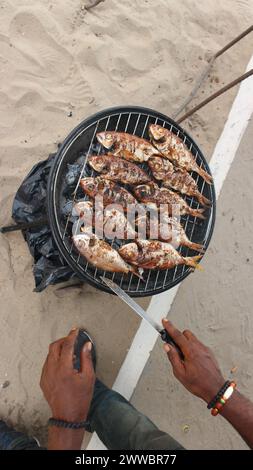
[(233, 131), (160, 305)]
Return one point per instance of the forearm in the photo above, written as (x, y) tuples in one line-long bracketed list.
[(201, 375), (64, 439), (239, 412)]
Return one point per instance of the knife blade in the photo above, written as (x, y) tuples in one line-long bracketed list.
[(141, 312)]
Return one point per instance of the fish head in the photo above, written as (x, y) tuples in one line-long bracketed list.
[(82, 208), (98, 163), (81, 241), (157, 132), (155, 163), (159, 164), (88, 185), (85, 240), (107, 139), (129, 252)]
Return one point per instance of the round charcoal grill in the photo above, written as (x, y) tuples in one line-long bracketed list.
[(63, 191)]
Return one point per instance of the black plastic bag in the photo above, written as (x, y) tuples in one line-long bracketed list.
[(29, 205)]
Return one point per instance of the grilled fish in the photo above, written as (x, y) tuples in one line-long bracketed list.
[(173, 148), (175, 178), (151, 193), (116, 225), (127, 146), (153, 254), (118, 169), (110, 191), (100, 254), (171, 231), (109, 222), (83, 209)]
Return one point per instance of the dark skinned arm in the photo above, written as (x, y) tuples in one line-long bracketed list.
[(239, 412), (67, 391), (201, 375)]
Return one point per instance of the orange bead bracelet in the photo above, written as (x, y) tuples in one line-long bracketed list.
[(222, 401)]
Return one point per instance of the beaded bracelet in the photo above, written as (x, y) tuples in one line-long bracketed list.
[(221, 402), (218, 395), (66, 424)]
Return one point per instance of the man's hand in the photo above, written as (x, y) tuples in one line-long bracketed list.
[(199, 372), (67, 391)]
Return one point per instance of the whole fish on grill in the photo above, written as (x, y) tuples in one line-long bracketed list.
[(173, 148), (100, 254), (175, 178), (150, 193), (127, 146), (169, 230), (109, 222), (118, 169), (110, 191), (154, 254)]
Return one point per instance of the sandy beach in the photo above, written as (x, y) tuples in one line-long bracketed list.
[(59, 64)]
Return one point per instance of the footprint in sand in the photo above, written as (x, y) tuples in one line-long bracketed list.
[(46, 66), (46, 56)]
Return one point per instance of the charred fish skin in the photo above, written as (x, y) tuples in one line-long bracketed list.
[(117, 169), (127, 146), (177, 179), (100, 254), (173, 148), (151, 193), (155, 254), (109, 190)]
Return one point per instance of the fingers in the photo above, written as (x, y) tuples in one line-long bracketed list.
[(174, 358), (189, 335), (54, 352), (55, 349), (178, 337), (86, 360), (67, 349), (43, 371)]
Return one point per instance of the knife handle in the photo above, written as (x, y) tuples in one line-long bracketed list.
[(168, 339), (78, 346)]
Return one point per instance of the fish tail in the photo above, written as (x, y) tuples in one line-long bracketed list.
[(193, 261), (196, 213), (136, 273), (195, 246), (203, 200), (208, 178)]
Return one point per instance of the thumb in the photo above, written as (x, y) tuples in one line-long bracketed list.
[(86, 359), (173, 357)]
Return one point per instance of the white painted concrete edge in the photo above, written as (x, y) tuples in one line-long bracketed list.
[(159, 307)]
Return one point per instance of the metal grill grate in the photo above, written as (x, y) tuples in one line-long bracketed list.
[(76, 149)]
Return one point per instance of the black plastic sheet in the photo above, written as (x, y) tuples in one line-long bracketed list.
[(30, 205)]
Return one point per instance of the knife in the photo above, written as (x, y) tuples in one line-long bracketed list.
[(139, 310)]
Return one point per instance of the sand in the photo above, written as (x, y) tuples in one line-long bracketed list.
[(56, 58)]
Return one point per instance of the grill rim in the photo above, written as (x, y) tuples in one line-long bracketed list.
[(51, 189)]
